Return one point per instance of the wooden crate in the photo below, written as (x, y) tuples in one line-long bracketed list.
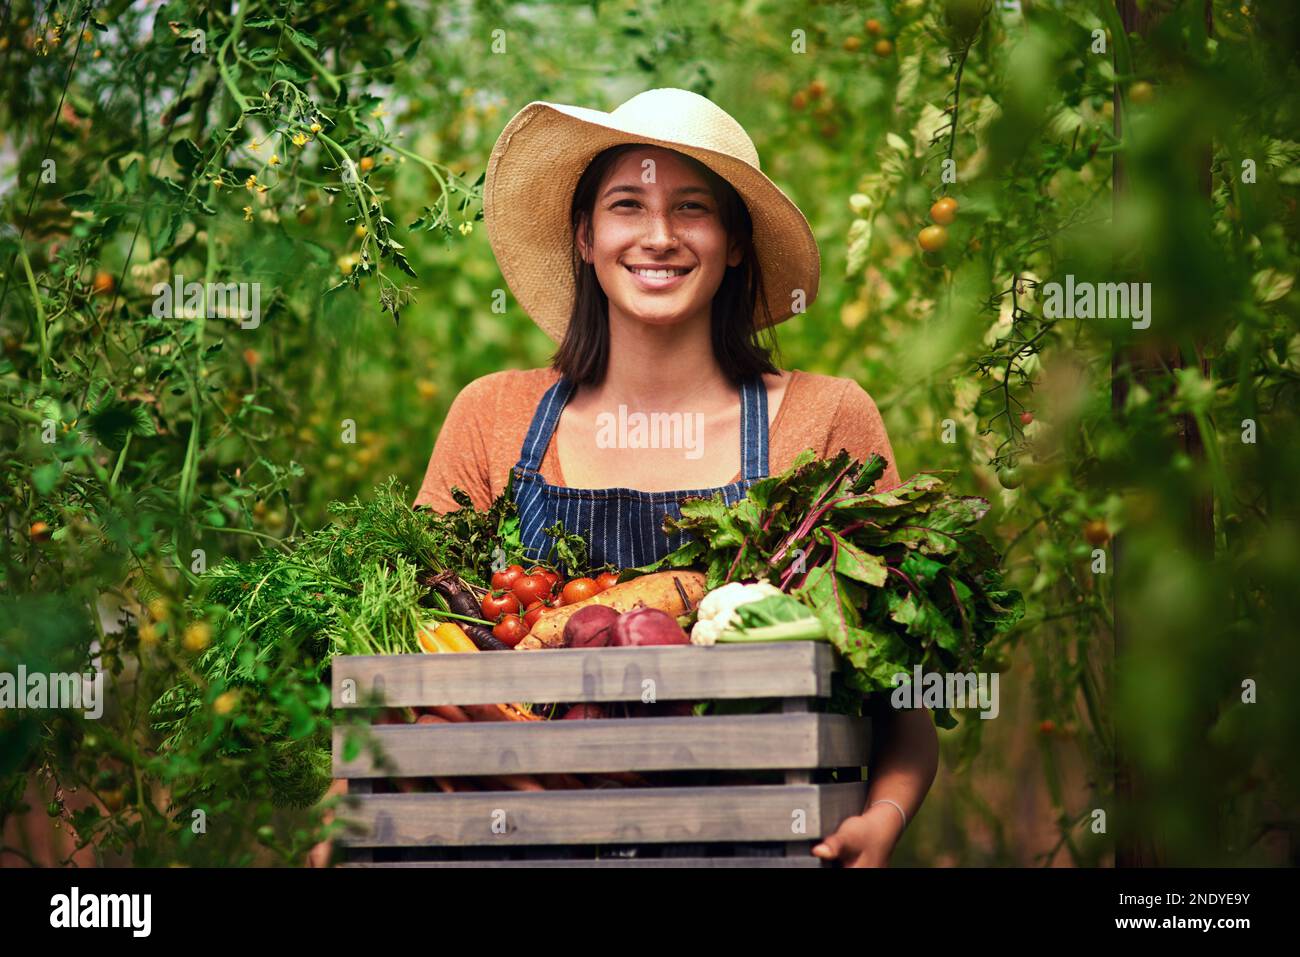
[(817, 757)]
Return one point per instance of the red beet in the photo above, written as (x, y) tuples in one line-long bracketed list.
[(647, 626), (580, 712), (590, 627)]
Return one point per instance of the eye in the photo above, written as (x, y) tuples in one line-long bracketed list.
[(624, 202)]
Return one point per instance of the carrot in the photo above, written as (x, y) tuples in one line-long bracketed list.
[(450, 712), (498, 712), (515, 782), (676, 592)]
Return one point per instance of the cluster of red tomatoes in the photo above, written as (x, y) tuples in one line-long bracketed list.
[(518, 598)]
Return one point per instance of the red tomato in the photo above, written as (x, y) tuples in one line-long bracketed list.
[(510, 630), (533, 612), (507, 577), (606, 580), (550, 574), (531, 588), (494, 605), (579, 589)]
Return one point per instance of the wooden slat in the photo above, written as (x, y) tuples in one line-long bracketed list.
[(690, 672), (611, 816), (808, 861), (716, 743)]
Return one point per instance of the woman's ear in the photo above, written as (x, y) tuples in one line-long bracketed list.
[(583, 247), (735, 254)]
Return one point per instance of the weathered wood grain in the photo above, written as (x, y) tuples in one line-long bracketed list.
[(667, 673), (808, 861), (716, 743), (612, 816)]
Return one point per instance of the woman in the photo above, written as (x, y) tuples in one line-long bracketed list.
[(647, 243)]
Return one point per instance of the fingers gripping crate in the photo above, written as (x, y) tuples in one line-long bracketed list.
[(738, 824)]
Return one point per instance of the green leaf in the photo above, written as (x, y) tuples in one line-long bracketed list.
[(854, 562), (187, 155), (46, 477)]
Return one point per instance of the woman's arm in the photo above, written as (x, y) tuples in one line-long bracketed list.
[(905, 757)]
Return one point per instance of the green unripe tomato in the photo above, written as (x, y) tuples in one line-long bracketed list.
[(1011, 477), (964, 17)]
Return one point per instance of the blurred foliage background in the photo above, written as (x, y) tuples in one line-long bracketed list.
[(1142, 478)]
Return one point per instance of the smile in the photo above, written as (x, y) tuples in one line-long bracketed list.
[(649, 277)]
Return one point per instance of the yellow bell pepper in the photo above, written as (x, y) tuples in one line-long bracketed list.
[(447, 637)]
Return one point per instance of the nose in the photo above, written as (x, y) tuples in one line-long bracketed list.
[(659, 232)]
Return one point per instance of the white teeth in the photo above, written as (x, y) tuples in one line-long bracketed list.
[(660, 273)]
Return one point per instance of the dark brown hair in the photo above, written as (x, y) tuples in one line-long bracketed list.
[(584, 354)]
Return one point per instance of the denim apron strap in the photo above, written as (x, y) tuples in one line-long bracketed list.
[(543, 425), (753, 429)]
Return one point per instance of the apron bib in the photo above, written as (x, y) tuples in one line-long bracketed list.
[(622, 526)]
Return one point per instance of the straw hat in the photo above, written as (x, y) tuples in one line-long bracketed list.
[(543, 151)]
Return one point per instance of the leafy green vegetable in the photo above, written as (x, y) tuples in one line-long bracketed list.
[(354, 587), (896, 578)]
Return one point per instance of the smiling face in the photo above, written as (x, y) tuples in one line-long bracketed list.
[(659, 248)]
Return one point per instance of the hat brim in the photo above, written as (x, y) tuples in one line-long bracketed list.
[(531, 176)]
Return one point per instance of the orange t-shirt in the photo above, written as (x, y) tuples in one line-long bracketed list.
[(484, 431)]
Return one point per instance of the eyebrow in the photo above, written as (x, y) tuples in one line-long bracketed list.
[(638, 190)]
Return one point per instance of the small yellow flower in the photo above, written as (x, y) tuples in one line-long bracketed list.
[(218, 182), (225, 702), (262, 189), (360, 231), (248, 214), (98, 53), (158, 609), (378, 112), (251, 182), (86, 36), (197, 636), (299, 139), (466, 228), (316, 127), (274, 160), (148, 634), (253, 146)]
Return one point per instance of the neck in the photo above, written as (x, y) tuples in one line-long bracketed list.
[(661, 367)]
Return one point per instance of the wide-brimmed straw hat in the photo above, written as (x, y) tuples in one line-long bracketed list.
[(544, 149)]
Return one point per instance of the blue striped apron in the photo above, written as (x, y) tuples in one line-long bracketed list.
[(622, 526)]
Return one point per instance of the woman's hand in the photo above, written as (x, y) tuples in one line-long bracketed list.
[(865, 840)]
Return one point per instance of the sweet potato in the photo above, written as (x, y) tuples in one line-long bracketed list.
[(659, 590)]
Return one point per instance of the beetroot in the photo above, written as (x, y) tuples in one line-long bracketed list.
[(647, 626), (590, 627), (580, 712)]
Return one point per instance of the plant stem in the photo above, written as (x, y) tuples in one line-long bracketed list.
[(40, 311)]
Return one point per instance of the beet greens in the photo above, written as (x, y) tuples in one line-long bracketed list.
[(899, 578)]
